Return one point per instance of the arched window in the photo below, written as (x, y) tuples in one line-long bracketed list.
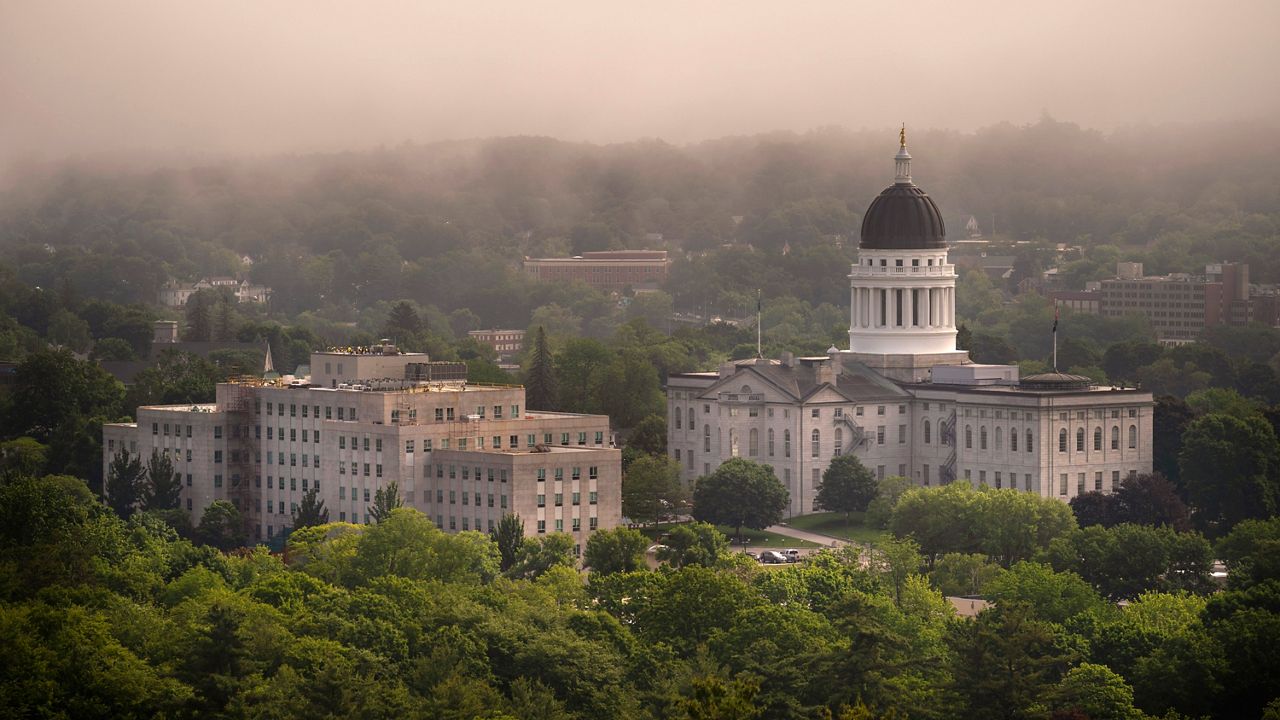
[(1062, 440), (679, 419), (1097, 438), (982, 437), (1029, 441), (706, 438), (927, 434), (838, 440), (968, 437), (753, 443), (815, 442), (1013, 439), (1115, 437), (942, 433), (786, 443), (691, 425), (1079, 439), (733, 442), (999, 438), (1133, 437), (770, 442)]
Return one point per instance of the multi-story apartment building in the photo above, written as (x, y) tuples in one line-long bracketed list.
[(605, 269), (902, 398), (464, 454)]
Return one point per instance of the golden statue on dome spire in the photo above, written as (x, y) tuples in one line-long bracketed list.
[(902, 135)]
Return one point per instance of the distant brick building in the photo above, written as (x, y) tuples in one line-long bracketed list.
[(605, 269), (505, 343), (1179, 305)]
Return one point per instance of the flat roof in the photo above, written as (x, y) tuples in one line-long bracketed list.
[(548, 450), (1023, 391)]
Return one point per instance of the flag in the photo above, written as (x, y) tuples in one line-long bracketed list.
[(1055, 318), (758, 310)]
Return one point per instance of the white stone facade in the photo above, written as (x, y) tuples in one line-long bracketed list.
[(995, 435), (464, 454)]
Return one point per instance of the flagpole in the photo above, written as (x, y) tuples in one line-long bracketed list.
[(1055, 337), (759, 320)]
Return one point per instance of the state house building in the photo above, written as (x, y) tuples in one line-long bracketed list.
[(902, 398)]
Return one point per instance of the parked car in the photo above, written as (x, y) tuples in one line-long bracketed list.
[(772, 557), (751, 555), (791, 554)]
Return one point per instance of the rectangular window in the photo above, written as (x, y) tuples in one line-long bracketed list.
[(542, 526), (902, 434), (592, 523)]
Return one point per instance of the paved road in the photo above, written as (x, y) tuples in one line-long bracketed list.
[(823, 540)]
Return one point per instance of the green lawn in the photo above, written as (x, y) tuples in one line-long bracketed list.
[(755, 538), (765, 539), (833, 524)]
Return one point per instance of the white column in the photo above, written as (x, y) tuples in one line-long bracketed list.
[(853, 308), (908, 306)]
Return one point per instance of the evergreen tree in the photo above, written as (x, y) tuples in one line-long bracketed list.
[(311, 511), (385, 500), (124, 482), (403, 322), (163, 483), (508, 535), (224, 320), (540, 380), (199, 318)]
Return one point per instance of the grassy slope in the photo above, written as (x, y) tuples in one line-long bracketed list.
[(833, 524)]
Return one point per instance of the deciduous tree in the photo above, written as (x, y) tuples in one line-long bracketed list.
[(847, 486), (613, 551), (740, 493)]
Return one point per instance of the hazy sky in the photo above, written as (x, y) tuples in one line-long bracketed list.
[(297, 75)]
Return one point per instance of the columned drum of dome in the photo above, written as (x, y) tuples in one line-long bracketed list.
[(902, 289)]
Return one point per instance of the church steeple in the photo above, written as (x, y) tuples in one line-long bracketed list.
[(902, 161)]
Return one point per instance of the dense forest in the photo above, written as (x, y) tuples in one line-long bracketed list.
[(106, 617), (445, 225)]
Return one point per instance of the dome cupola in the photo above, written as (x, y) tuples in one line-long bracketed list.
[(903, 217)]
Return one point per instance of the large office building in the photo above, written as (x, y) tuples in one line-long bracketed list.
[(902, 398), (462, 453), (606, 270), (1179, 306)]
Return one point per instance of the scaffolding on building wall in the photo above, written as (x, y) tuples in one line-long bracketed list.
[(245, 458)]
